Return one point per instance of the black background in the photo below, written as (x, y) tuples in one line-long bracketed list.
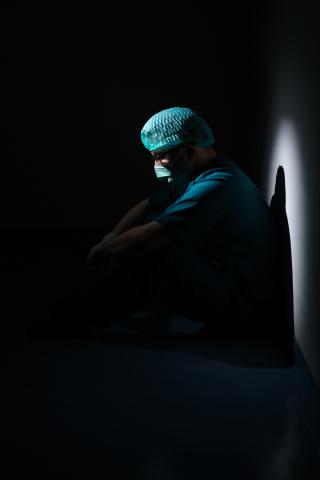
[(80, 82)]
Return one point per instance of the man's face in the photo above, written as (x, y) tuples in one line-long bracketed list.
[(173, 159)]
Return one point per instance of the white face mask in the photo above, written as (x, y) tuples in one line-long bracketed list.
[(163, 174), (167, 174)]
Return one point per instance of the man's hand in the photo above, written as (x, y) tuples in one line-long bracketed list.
[(99, 256), (131, 243), (92, 254), (95, 255), (109, 236)]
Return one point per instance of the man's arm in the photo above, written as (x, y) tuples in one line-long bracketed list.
[(131, 218), (133, 242)]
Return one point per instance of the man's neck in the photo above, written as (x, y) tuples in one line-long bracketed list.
[(211, 160)]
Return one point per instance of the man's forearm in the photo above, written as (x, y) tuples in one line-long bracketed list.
[(137, 241), (132, 217)]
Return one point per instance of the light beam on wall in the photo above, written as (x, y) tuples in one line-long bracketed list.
[(287, 153)]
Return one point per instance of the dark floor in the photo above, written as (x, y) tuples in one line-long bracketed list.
[(125, 406)]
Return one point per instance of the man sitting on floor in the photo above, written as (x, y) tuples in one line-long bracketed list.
[(203, 245)]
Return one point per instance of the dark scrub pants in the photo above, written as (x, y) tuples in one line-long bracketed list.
[(168, 280)]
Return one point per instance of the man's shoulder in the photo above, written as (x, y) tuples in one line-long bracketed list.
[(222, 169)]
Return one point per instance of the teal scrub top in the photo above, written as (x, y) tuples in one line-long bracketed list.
[(219, 214)]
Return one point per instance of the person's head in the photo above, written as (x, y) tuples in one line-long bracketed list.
[(178, 140)]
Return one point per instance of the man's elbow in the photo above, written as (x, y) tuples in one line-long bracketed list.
[(155, 235)]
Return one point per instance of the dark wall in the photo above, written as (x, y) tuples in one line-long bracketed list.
[(80, 84), (290, 133)]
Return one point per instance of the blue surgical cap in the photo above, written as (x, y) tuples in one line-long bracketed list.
[(175, 126)]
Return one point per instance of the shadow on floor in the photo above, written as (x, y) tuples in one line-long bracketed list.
[(185, 336)]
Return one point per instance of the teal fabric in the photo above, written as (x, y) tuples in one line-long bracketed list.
[(173, 127), (221, 217)]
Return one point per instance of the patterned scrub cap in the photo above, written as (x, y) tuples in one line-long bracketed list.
[(173, 127)]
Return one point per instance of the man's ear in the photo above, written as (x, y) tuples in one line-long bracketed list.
[(189, 151)]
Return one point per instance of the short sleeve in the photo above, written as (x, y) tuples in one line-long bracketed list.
[(204, 204)]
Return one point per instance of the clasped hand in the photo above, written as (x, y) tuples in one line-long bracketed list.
[(99, 256)]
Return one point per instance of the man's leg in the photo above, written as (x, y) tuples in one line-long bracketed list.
[(167, 280), (170, 281)]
